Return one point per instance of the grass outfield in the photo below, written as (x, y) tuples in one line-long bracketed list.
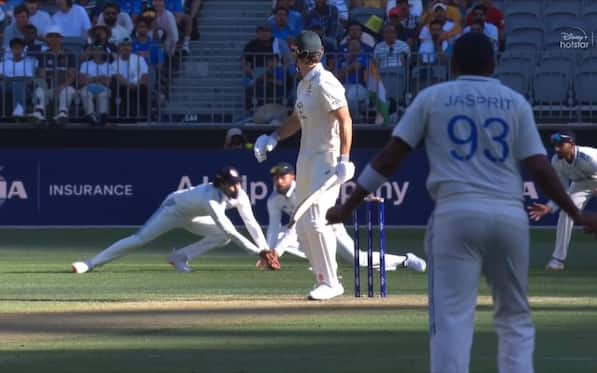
[(137, 315)]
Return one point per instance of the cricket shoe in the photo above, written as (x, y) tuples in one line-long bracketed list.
[(325, 292), (179, 262), (81, 267), (554, 265), (415, 263)]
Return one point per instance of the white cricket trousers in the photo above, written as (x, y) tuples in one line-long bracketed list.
[(315, 236), (580, 193), (460, 246), (163, 220)]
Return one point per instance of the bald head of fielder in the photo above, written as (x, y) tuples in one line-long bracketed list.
[(321, 113)]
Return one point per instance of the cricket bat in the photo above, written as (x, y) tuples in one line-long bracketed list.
[(312, 198)]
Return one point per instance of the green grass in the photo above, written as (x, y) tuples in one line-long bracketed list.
[(137, 315)]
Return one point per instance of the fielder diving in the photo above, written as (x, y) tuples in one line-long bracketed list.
[(283, 201), (200, 210), (576, 166)]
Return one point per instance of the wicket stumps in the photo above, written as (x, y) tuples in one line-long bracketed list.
[(370, 201)]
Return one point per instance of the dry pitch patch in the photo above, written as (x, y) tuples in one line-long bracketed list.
[(38, 321)]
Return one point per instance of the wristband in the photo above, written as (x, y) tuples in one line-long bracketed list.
[(344, 158), (370, 179)]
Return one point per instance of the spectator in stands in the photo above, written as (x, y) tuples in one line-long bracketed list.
[(391, 52), (255, 52), (100, 34), (352, 72), (279, 25), (326, 15), (72, 19), (330, 51), (479, 14), (58, 68), (435, 49), (273, 86), (452, 13), (355, 32), (37, 17), (166, 21), (494, 16), (123, 18), (415, 7), (343, 14), (94, 80), (183, 21), (130, 73), (14, 91), (439, 11), (407, 36), (117, 32), (145, 46), (17, 28), (156, 33), (32, 44), (295, 18)]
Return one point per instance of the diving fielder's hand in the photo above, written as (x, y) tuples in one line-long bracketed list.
[(538, 210), (268, 259), (345, 170), (263, 145)]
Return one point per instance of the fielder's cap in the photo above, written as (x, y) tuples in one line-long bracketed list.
[(227, 175), (562, 137), (439, 6), (54, 30), (308, 42), (281, 169)]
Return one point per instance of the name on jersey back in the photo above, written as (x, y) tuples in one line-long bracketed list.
[(471, 100)]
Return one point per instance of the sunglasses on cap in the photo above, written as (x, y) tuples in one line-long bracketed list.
[(560, 138), (281, 170)]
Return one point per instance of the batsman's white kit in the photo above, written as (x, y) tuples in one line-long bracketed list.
[(580, 178), (282, 239), (200, 210), (318, 94), (475, 132)]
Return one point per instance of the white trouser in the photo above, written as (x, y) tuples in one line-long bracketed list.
[(163, 220), (316, 237), (460, 246), (89, 99), (288, 242), (580, 193), (65, 97)]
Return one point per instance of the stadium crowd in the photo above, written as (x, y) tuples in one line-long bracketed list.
[(365, 41), (105, 55)]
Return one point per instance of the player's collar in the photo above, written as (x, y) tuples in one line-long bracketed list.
[(476, 78), (311, 74)]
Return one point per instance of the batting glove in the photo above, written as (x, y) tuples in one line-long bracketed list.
[(344, 169), (263, 145)]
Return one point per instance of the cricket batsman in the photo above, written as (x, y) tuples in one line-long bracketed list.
[(200, 210), (283, 201), (477, 132), (576, 166), (321, 113)]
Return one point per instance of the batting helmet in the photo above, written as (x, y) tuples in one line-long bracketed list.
[(227, 175)]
